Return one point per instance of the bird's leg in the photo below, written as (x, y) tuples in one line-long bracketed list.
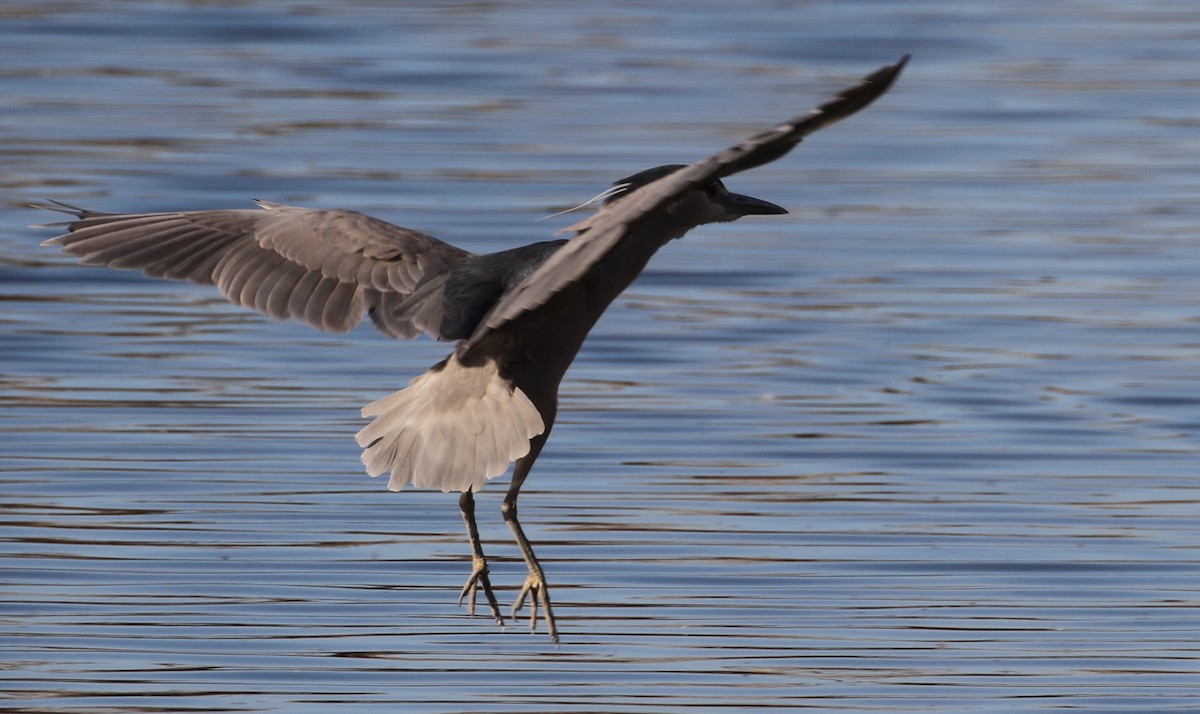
[(535, 585), (479, 568)]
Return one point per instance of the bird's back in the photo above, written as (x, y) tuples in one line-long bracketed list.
[(474, 287)]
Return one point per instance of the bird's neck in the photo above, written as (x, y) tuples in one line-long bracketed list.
[(622, 266)]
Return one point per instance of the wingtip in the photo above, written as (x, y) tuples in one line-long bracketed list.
[(871, 87), (887, 74), (50, 204)]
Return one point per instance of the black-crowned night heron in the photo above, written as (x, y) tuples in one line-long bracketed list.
[(520, 315)]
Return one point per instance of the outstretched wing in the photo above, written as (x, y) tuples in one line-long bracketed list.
[(325, 267), (599, 234)]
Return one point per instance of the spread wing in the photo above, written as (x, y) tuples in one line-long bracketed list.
[(598, 235), (325, 267)]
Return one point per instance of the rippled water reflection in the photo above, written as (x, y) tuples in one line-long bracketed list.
[(927, 444)]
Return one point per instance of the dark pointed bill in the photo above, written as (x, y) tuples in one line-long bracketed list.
[(750, 206)]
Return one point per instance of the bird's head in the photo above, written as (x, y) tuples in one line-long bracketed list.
[(711, 203)]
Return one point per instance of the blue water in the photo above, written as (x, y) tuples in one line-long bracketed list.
[(928, 443)]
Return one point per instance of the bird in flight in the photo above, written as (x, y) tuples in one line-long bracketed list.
[(519, 315)]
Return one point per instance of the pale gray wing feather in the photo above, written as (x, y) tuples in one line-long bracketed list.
[(325, 267), (407, 315), (602, 232)]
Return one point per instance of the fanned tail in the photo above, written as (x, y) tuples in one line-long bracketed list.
[(452, 428)]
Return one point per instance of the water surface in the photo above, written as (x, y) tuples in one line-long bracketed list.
[(929, 443)]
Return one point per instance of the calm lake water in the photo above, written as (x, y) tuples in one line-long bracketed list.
[(929, 443)]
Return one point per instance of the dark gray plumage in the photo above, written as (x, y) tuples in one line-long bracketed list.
[(520, 315)]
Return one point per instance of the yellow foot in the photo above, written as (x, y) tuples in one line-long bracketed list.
[(478, 579), (535, 589)]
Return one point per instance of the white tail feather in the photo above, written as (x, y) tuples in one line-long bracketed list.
[(451, 429)]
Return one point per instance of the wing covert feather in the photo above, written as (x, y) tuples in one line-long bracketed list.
[(320, 266)]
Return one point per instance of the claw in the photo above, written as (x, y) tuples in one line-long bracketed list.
[(479, 578), (535, 588)]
